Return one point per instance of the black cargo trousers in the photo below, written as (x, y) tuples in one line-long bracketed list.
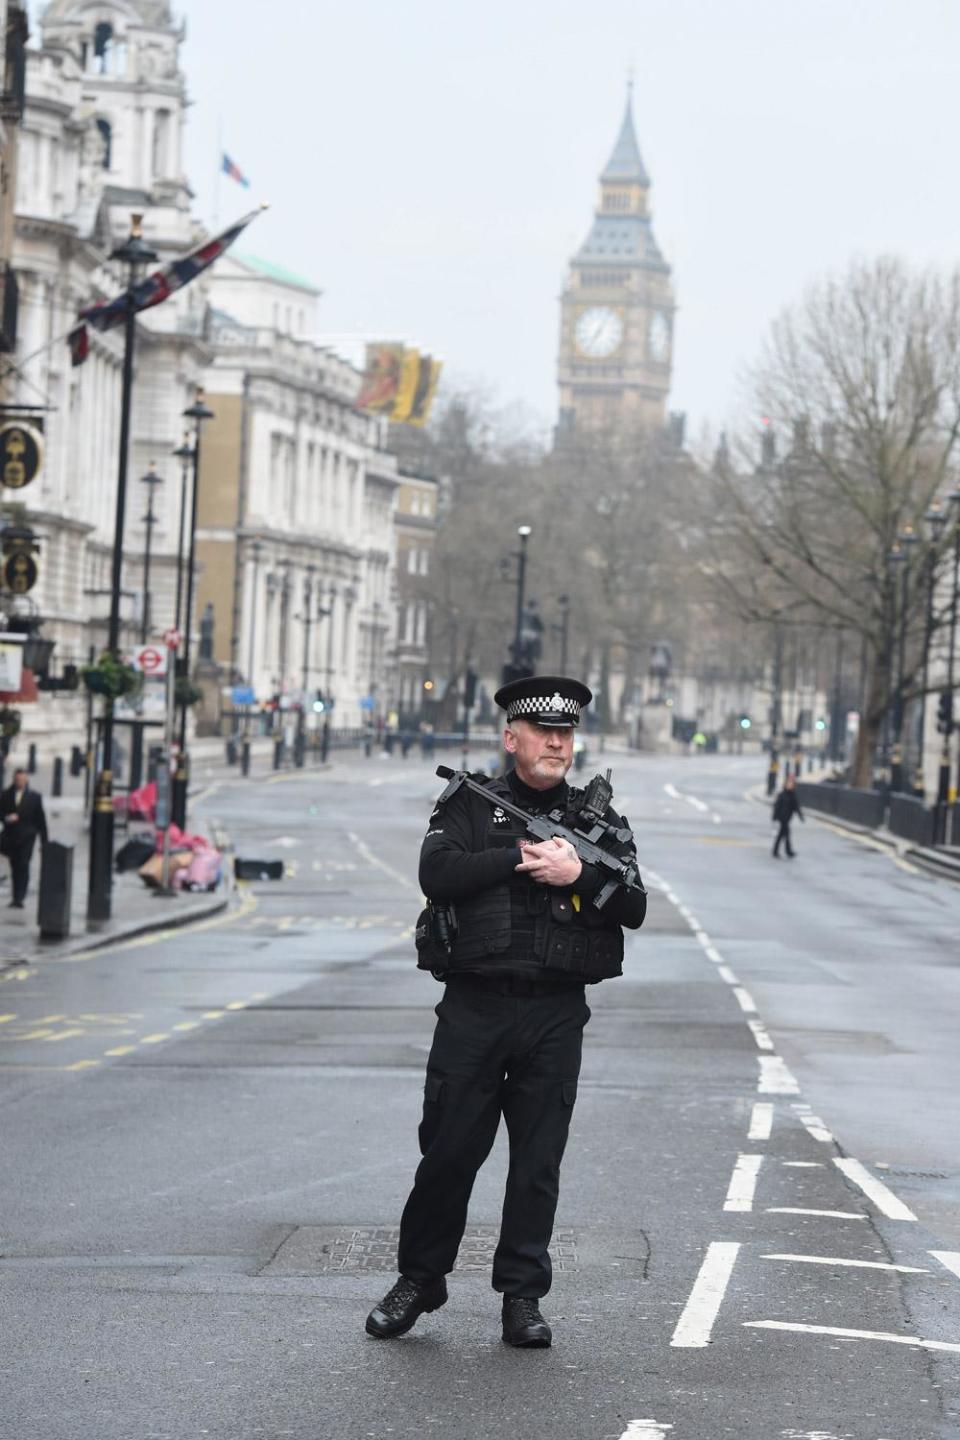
[(507, 1046)]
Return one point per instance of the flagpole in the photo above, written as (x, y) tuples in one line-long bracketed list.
[(216, 183)]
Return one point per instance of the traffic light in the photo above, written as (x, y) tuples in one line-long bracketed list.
[(470, 689), (319, 704), (821, 723), (945, 713), (744, 722)]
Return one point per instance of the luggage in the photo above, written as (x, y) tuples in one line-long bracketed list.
[(257, 869), (203, 872), (133, 854)]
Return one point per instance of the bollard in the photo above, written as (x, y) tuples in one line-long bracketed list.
[(32, 759), (231, 752), (277, 754), (56, 788), (245, 758), (56, 888), (76, 761)]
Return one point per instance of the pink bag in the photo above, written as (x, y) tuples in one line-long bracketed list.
[(203, 872)]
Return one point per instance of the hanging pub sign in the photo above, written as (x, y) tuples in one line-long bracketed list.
[(20, 572), (21, 453)]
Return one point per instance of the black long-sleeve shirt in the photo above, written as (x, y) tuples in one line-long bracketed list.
[(457, 862)]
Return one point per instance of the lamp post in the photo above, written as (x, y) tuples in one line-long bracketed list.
[(328, 612), (256, 550), (773, 768), (899, 554), (524, 532), (185, 455), (564, 602), (307, 619), (151, 480), (134, 253), (947, 793), (197, 412), (936, 519)]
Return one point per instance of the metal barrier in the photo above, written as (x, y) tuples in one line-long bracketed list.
[(910, 818), (860, 807)]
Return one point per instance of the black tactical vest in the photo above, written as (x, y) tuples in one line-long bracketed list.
[(522, 928)]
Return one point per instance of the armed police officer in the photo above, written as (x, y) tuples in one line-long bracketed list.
[(515, 928)]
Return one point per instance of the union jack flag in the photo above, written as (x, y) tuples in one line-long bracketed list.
[(152, 290)]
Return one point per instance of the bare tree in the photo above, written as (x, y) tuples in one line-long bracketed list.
[(864, 375)]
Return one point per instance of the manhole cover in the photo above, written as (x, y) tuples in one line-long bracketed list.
[(323, 1249)]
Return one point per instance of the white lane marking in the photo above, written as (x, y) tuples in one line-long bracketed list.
[(759, 1033), (712, 953), (743, 1183), (672, 791), (372, 859), (857, 1264), (854, 1334), (799, 1210), (886, 1202), (950, 1258), (702, 936), (727, 974), (645, 1430), (706, 1297), (745, 1000), (804, 1164), (775, 1078), (697, 804), (761, 1121), (814, 1126)]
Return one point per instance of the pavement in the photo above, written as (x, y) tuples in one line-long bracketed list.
[(209, 1136)]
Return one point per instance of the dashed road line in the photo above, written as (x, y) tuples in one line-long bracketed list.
[(759, 1032), (645, 1430), (813, 1124), (844, 1334), (949, 1258), (853, 1264), (775, 1078), (697, 1318), (743, 1183), (886, 1202), (367, 854), (826, 1214), (745, 1000), (761, 1121)]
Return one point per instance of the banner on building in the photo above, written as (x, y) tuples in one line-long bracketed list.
[(11, 662), (399, 383)]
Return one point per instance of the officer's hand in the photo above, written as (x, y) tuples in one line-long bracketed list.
[(552, 862)]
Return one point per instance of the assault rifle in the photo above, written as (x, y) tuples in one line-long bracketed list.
[(588, 829)]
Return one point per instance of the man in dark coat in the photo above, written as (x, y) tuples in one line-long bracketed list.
[(21, 811), (785, 807), (521, 936)]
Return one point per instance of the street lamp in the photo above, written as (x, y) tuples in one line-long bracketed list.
[(946, 793), (185, 455), (564, 602), (936, 519), (899, 554), (328, 612), (307, 620), (197, 412), (151, 480), (134, 253), (773, 769)]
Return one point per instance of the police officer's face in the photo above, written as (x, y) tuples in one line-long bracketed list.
[(544, 753)]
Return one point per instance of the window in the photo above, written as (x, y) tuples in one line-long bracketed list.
[(161, 144), (106, 134), (103, 46)]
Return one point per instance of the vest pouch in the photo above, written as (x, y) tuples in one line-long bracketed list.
[(431, 955)]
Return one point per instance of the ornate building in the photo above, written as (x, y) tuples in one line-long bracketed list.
[(617, 307)]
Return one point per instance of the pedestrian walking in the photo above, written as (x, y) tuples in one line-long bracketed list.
[(785, 807), (21, 810), (515, 936)]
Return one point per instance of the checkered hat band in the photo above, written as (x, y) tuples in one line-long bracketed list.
[(544, 704)]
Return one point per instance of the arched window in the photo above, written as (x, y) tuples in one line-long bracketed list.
[(106, 132), (102, 45)]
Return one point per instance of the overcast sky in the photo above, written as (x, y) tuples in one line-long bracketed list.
[(433, 164)]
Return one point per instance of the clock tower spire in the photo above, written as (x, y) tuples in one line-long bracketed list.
[(617, 306)]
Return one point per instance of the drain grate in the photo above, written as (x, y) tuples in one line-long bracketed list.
[(322, 1249)]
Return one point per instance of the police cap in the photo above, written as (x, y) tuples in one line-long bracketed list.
[(544, 700)]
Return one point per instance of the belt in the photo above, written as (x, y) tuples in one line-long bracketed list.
[(515, 984)]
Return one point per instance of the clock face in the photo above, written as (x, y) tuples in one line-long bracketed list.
[(660, 336), (599, 332)]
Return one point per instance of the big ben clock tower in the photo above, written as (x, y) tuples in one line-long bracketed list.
[(616, 311)]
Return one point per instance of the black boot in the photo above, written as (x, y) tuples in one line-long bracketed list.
[(401, 1307), (523, 1324)]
